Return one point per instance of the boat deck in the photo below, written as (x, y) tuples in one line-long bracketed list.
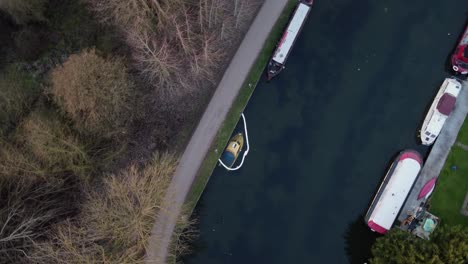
[(438, 154)]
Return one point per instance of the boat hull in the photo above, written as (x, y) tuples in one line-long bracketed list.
[(459, 58), (274, 68), (288, 39), (434, 120)]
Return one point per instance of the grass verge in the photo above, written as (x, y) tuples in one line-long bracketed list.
[(452, 185)]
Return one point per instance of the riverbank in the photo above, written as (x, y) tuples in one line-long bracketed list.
[(213, 119), (436, 162), (224, 133)]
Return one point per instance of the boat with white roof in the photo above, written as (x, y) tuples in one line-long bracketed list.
[(393, 191), (276, 64), (440, 110)]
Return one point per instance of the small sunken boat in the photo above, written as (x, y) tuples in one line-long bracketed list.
[(232, 150)]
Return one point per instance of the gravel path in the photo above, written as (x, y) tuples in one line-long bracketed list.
[(207, 129)]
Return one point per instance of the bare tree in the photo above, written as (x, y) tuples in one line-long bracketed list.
[(27, 208), (115, 222), (178, 46)]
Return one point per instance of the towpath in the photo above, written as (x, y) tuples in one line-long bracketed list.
[(205, 133), (439, 152)]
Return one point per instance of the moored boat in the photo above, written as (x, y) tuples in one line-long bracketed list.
[(460, 56), (276, 64), (232, 150), (393, 191), (427, 189), (441, 107)]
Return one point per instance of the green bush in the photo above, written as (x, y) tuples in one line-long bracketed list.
[(24, 11), (30, 42), (18, 91)]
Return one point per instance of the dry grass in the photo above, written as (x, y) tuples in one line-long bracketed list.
[(23, 11), (95, 92), (115, 222)]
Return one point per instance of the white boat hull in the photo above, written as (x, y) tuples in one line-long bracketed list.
[(435, 120)]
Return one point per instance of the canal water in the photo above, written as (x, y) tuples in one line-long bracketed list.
[(322, 133)]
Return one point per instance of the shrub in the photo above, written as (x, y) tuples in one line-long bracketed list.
[(185, 233), (23, 11), (18, 91), (15, 163), (126, 212), (54, 144), (94, 92), (115, 222), (30, 42)]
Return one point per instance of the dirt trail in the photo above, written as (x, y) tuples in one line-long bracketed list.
[(205, 133)]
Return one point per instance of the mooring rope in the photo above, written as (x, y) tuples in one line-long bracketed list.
[(245, 152)]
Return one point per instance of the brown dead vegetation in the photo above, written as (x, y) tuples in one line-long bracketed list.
[(27, 208), (185, 233), (114, 223), (95, 92), (54, 145), (178, 46), (15, 163)]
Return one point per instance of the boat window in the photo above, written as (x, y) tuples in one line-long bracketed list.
[(432, 136), (428, 133)]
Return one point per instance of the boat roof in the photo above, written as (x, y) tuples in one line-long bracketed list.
[(444, 107), (399, 185), (228, 158), (446, 104), (436, 123), (287, 40), (452, 86)]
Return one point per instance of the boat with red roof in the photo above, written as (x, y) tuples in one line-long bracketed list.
[(393, 191), (277, 61), (460, 56), (440, 110)]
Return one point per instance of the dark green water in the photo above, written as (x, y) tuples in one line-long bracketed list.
[(323, 133)]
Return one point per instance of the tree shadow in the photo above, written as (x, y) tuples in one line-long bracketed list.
[(358, 241)]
